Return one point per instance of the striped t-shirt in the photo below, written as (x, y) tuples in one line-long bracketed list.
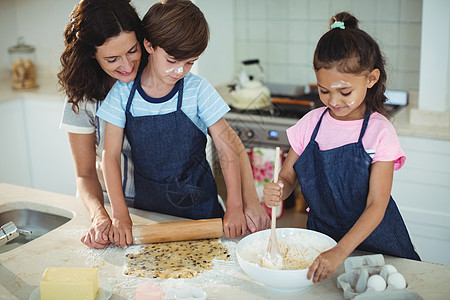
[(202, 104)]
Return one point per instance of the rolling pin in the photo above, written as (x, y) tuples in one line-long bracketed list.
[(178, 231)]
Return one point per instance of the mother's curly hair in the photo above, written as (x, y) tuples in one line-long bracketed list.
[(92, 22)]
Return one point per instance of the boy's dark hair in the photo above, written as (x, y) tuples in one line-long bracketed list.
[(352, 50), (177, 26), (92, 22)]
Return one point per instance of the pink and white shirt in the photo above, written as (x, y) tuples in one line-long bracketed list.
[(380, 139)]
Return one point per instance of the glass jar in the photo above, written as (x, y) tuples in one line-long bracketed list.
[(22, 57)]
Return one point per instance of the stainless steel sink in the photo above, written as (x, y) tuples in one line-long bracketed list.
[(38, 222)]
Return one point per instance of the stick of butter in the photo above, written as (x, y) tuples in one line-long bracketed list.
[(69, 284)]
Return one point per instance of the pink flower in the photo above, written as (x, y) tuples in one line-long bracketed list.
[(259, 176), (257, 159)]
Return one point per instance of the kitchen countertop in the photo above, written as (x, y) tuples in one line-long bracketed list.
[(22, 268)]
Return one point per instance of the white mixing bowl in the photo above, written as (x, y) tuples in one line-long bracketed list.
[(279, 280)]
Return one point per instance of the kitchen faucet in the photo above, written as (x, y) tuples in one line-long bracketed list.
[(9, 231)]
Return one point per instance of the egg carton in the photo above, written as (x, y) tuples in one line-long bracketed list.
[(358, 269)]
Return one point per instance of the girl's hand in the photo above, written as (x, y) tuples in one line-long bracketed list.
[(272, 193), (121, 233), (98, 234), (325, 264), (234, 223)]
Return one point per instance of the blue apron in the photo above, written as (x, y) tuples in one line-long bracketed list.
[(335, 184), (171, 173)]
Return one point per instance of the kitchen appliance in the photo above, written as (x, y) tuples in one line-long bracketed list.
[(249, 92), (266, 127), (395, 100), (177, 231), (23, 65)]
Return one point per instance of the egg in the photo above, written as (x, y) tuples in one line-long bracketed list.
[(376, 282), (396, 280), (386, 270)]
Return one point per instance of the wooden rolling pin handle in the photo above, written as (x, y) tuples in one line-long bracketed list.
[(178, 231)]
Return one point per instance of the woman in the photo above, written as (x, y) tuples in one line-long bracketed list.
[(103, 43)]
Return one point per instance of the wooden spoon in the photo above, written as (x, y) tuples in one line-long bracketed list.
[(273, 258)]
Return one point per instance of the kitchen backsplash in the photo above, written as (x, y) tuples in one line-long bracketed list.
[(283, 35)]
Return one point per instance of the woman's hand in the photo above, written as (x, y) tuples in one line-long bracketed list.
[(256, 217), (234, 223), (272, 193), (325, 264), (98, 234), (121, 233)]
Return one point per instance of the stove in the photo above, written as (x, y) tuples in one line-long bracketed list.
[(257, 130), (261, 131), (267, 127)]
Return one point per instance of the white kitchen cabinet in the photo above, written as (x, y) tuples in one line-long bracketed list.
[(421, 189), (51, 160), (14, 161), (35, 152)]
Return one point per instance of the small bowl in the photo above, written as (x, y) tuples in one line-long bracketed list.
[(278, 280)]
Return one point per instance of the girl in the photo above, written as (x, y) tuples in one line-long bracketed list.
[(344, 154), (103, 44), (166, 113)]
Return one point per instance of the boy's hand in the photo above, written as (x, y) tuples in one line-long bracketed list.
[(272, 193), (234, 223), (121, 233)]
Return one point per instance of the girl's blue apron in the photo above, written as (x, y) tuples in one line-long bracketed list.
[(171, 173), (335, 184)]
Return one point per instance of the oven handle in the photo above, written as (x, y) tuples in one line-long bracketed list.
[(292, 101)]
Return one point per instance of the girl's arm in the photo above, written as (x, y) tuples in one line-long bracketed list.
[(380, 185), (224, 140), (88, 185), (121, 233), (275, 192)]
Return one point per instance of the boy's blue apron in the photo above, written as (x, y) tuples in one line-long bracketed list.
[(171, 173), (335, 184)]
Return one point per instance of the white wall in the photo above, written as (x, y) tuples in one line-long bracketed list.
[(216, 63), (8, 34), (41, 23), (283, 35), (434, 92)]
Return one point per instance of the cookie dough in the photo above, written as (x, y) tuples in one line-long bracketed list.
[(185, 259)]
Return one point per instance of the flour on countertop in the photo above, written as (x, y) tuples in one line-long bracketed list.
[(111, 263)]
